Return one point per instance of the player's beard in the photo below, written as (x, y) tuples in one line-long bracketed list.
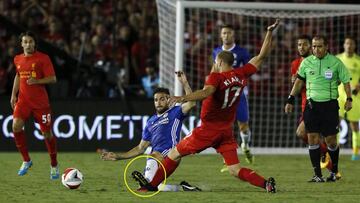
[(305, 54), (161, 110)]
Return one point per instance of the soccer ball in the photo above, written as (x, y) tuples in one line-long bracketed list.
[(72, 178)]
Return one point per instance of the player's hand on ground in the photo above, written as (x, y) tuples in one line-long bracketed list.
[(108, 156), (348, 106), (289, 108), (31, 81), (13, 101), (273, 26), (181, 77)]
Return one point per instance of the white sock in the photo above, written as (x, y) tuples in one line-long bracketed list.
[(169, 188), (150, 169), (245, 139)]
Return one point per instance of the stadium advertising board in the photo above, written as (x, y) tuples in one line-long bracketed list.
[(87, 126)]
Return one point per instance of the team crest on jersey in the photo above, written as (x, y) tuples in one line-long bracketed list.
[(33, 65)]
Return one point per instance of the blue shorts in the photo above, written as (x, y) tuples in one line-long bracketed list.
[(242, 112)]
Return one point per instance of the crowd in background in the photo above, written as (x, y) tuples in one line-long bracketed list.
[(116, 40)]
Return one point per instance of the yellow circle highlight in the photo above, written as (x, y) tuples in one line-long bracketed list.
[(126, 168)]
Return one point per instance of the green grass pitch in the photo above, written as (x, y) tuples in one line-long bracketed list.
[(104, 180)]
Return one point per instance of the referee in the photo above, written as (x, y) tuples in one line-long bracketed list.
[(322, 73)]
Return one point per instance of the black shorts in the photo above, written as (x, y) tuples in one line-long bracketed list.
[(322, 117)]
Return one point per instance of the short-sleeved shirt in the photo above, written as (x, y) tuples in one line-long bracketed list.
[(322, 77), (295, 64), (241, 55), (38, 66), (218, 110), (353, 65), (163, 131)]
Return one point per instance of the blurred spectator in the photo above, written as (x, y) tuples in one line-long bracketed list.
[(151, 80)]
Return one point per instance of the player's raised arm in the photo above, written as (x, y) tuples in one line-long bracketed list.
[(266, 46), (185, 107)]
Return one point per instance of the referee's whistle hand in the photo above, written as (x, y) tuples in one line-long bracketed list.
[(288, 108)]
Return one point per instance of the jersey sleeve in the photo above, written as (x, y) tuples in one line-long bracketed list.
[(344, 74), (246, 57), (146, 135), (213, 79), (213, 54), (301, 72), (294, 68), (247, 70), (48, 68), (15, 63), (178, 113)]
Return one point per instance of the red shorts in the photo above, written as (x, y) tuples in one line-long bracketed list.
[(41, 116), (201, 138)]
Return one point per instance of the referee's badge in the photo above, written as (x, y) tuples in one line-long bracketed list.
[(328, 74)]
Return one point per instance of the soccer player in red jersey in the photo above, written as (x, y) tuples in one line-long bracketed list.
[(220, 97), (29, 97)]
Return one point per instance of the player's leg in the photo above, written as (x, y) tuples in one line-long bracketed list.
[(355, 140), (333, 149), (21, 113), (314, 153), (329, 129), (301, 132), (246, 174), (43, 118), (242, 117)]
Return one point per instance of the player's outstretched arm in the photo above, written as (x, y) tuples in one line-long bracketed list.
[(195, 96), (266, 46), (136, 151), (185, 107)]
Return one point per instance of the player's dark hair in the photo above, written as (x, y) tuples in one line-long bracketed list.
[(161, 90), (30, 34), (227, 26), (227, 57), (306, 37), (319, 37)]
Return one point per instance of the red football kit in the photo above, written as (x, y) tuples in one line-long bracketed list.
[(295, 64), (218, 114), (33, 98)]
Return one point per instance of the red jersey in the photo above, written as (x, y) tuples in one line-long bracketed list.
[(38, 66), (295, 65), (218, 110)]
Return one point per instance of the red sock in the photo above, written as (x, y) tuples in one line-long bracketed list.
[(20, 142), (169, 165), (252, 177), (52, 149), (323, 147)]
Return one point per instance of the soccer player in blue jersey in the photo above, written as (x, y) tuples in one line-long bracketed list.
[(241, 57), (162, 133)]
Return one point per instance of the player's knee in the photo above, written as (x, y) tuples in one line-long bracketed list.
[(243, 127), (47, 135), (17, 126), (233, 172), (300, 133)]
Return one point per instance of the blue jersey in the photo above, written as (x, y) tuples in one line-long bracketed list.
[(163, 131), (241, 55)]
